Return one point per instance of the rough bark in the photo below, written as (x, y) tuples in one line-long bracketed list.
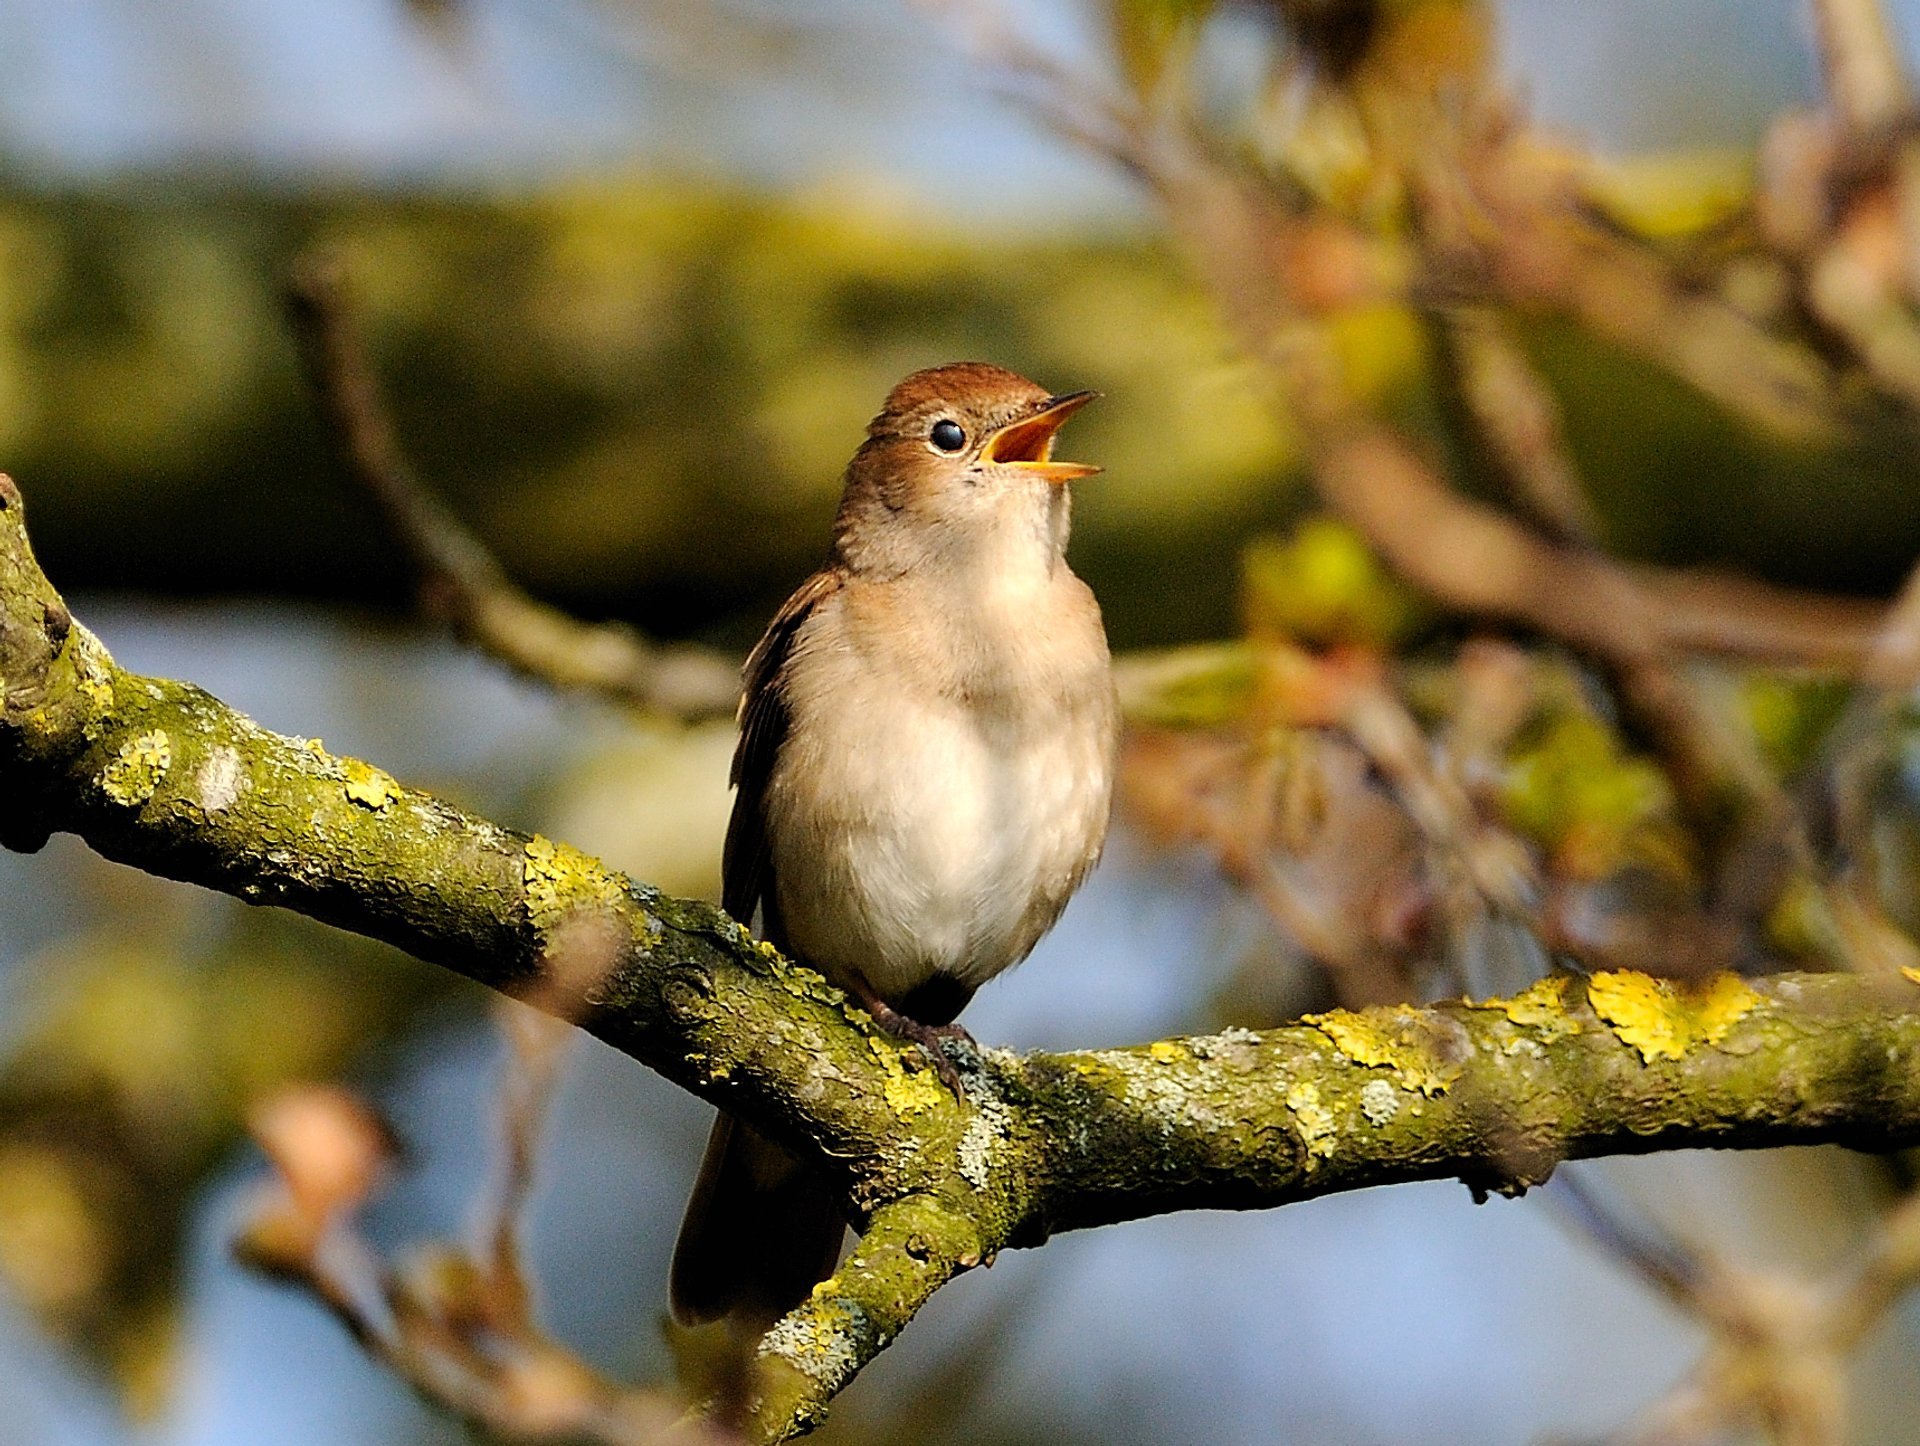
[(161, 776)]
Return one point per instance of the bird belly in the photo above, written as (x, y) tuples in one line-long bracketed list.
[(935, 840)]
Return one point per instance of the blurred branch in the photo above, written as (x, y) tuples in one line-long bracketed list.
[(1242, 802), (1840, 197), (1519, 421), (1492, 861), (1866, 937), (1893, 664), (461, 583), (1482, 563), (1658, 1259), (159, 775), (1721, 615), (1278, 266), (1778, 1353), (454, 1325), (1886, 1272), (537, 1045), (1861, 63), (1778, 1350), (1548, 253)]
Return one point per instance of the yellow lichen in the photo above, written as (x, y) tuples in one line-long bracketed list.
[(827, 1289), (908, 1092), (370, 787), (1542, 1007), (1395, 1039), (1164, 1051), (97, 690), (1541, 1010), (1314, 1119), (560, 880), (1910, 974), (1663, 1019), (137, 768)]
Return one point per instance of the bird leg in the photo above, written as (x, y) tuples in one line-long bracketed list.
[(928, 1036)]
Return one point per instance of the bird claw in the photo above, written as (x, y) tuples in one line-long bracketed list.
[(930, 1038)]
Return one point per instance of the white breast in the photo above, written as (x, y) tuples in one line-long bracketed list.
[(931, 813)]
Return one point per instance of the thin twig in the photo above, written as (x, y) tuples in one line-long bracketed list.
[(1864, 277), (1654, 1255), (537, 1047), (1482, 563), (1860, 63), (1493, 863), (454, 1326), (1519, 420), (1889, 1269), (460, 582), (1839, 787), (1778, 1355), (1893, 665), (1237, 796)]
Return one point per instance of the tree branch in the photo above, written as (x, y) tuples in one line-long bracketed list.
[(1517, 418), (161, 776), (460, 581), (456, 1324), (1278, 268), (1860, 63)]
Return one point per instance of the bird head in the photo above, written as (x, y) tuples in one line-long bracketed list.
[(960, 456)]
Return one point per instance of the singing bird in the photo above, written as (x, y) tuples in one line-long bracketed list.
[(923, 776)]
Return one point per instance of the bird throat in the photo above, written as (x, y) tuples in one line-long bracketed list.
[(1009, 557)]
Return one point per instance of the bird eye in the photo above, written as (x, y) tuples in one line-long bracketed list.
[(947, 435)]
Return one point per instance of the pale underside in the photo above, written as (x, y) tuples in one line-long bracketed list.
[(958, 775)]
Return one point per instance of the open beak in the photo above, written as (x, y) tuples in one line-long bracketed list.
[(1028, 443)]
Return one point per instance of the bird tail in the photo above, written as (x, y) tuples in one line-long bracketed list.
[(761, 1230)]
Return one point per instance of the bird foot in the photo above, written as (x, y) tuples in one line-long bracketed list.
[(929, 1037)]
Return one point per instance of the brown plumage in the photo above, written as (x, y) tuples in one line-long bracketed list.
[(923, 775)]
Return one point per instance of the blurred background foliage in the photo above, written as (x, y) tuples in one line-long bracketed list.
[(635, 275), (641, 393)]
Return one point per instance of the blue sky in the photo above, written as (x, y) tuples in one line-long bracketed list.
[(812, 91), (786, 92)]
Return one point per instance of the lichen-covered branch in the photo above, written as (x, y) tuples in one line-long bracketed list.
[(910, 1249), (161, 776)]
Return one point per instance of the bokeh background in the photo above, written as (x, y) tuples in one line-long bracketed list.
[(636, 273)]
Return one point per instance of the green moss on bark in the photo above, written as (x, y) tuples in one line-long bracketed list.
[(161, 776)]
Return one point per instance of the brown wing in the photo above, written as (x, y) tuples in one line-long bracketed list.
[(759, 1229), (745, 864)]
